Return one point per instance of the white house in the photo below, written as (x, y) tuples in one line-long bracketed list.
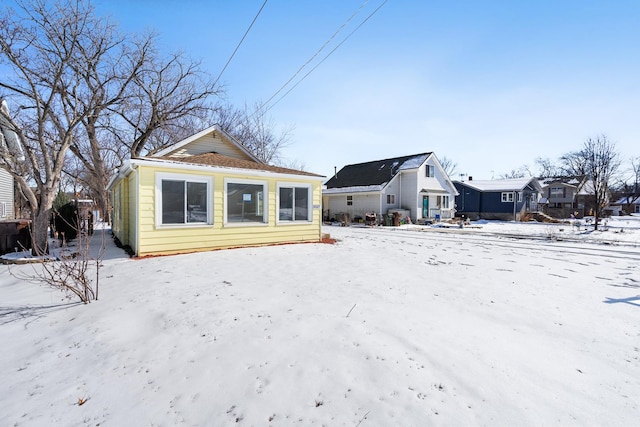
[(417, 186)]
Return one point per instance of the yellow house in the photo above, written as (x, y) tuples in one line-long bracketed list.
[(208, 192)]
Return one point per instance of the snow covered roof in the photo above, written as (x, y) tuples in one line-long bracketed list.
[(516, 184)]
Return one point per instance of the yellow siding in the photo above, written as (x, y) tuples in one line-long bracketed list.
[(132, 224), (154, 240)]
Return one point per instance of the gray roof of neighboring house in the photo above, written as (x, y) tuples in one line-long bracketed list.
[(375, 174)]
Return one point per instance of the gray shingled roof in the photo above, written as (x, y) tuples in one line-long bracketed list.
[(375, 173)]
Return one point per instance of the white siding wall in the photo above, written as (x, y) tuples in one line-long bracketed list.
[(6, 195), (392, 188), (410, 190), (362, 204)]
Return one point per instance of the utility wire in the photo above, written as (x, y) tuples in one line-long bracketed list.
[(241, 40), (264, 110), (317, 52)]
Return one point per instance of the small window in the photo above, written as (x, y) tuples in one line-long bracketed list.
[(556, 192), (183, 200), (520, 197), (430, 171), (391, 199), (507, 197), (294, 203), (349, 200), (245, 202)]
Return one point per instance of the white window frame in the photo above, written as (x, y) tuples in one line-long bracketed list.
[(430, 171), (294, 185), (391, 199), (507, 197), (208, 180), (442, 201), (265, 202), (349, 200)]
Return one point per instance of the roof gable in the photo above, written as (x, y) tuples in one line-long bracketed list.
[(210, 140), (375, 173)]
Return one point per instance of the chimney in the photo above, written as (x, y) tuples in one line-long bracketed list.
[(335, 172)]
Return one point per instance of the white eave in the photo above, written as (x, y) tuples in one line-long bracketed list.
[(181, 165), (355, 189)]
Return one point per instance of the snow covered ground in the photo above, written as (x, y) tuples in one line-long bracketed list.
[(499, 324)]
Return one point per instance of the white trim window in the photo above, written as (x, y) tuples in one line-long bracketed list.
[(349, 200), (391, 199), (183, 199), (507, 197), (430, 171), (442, 202), (245, 202), (294, 202)]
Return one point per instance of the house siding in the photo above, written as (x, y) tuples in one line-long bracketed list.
[(6, 196), (210, 143), (409, 198), (336, 204), (155, 240)]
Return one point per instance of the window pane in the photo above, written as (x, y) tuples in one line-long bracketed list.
[(244, 202), (172, 202), (286, 204), (302, 204), (196, 202)]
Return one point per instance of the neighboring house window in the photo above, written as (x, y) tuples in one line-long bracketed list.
[(349, 200), (391, 199), (507, 196), (245, 201), (430, 171), (442, 202), (520, 197), (294, 203), (183, 199), (556, 192)]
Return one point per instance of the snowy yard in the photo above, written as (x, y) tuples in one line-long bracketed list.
[(506, 324)]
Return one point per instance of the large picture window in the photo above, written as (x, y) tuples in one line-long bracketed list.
[(246, 202), (183, 199), (294, 203)]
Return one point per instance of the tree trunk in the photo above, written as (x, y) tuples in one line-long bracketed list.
[(39, 231)]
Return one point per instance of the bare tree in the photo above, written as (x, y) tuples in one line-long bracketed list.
[(42, 45), (630, 188), (140, 101), (547, 169), (521, 172), (574, 163), (255, 131), (601, 162), (84, 87), (450, 167)]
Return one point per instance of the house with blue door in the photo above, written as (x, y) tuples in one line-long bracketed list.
[(415, 186), (503, 199)]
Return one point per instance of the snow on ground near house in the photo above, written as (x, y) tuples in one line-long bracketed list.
[(386, 327)]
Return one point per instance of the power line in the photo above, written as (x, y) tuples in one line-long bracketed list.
[(319, 63), (317, 52), (241, 40)]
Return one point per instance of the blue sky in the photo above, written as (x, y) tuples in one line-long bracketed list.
[(489, 84)]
